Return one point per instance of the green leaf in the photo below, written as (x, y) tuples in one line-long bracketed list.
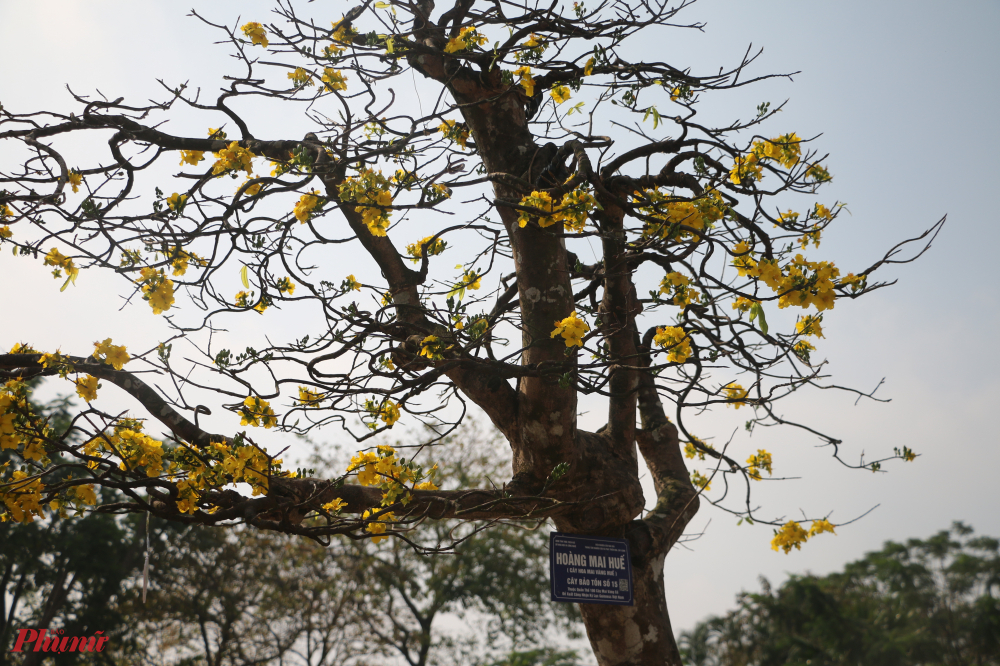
[(243, 277), (758, 311)]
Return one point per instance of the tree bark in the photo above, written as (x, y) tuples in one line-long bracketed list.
[(639, 634)]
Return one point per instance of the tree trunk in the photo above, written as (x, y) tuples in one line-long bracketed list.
[(639, 634)]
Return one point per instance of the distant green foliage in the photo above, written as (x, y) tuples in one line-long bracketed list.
[(933, 602)]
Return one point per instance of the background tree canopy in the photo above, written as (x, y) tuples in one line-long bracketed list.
[(933, 601)]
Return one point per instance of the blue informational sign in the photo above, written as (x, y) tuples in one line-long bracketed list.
[(590, 570)]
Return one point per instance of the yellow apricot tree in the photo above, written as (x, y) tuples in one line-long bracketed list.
[(505, 170)]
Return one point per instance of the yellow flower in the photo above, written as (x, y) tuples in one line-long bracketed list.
[(309, 398), (233, 158), (735, 392), (810, 325), (432, 348), (333, 79), (378, 525), (389, 412), (114, 355), (415, 250), (256, 412), (818, 173), (560, 94), (820, 526), (700, 481), (426, 485), (746, 168), (255, 31), (467, 38), (676, 340), (528, 83), (75, 180), (5, 212), (757, 462), (791, 535), (192, 157), (307, 204), (572, 329), (457, 133), (61, 262), (86, 388), (588, 69), (175, 202), (335, 505), (85, 493), (156, 289), (285, 285), (214, 133), (351, 284), (301, 78), (5, 231)]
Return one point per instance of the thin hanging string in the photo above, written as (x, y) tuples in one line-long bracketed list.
[(145, 566)]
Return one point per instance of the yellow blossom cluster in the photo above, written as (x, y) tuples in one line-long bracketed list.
[(255, 32), (525, 79), (736, 393), (395, 477), (19, 425), (385, 410), (433, 348), (757, 462), (306, 205), (792, 535), (86, 387), (334, 79), (532, 49), (192, 157), (676, 340), (370, 189), (284, 285), (309, 398), (456, 132), (341, 35), (679, 219), (156, 288), (677, 288), (256, 412), (75, 179), (175, 202), (467, 38), (560, 94), (785, 150), (743, 304), (233, 158), (572, 329), (22, 496), (701, 482), (301, 77), (818, 173), (416, 250), (802, 283), (114, 355), (810, 325), (134, 448), (61, 263), (573, 209), (180, 258), (471, 279)]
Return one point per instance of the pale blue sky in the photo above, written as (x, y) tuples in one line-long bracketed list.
[(905, 94)]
